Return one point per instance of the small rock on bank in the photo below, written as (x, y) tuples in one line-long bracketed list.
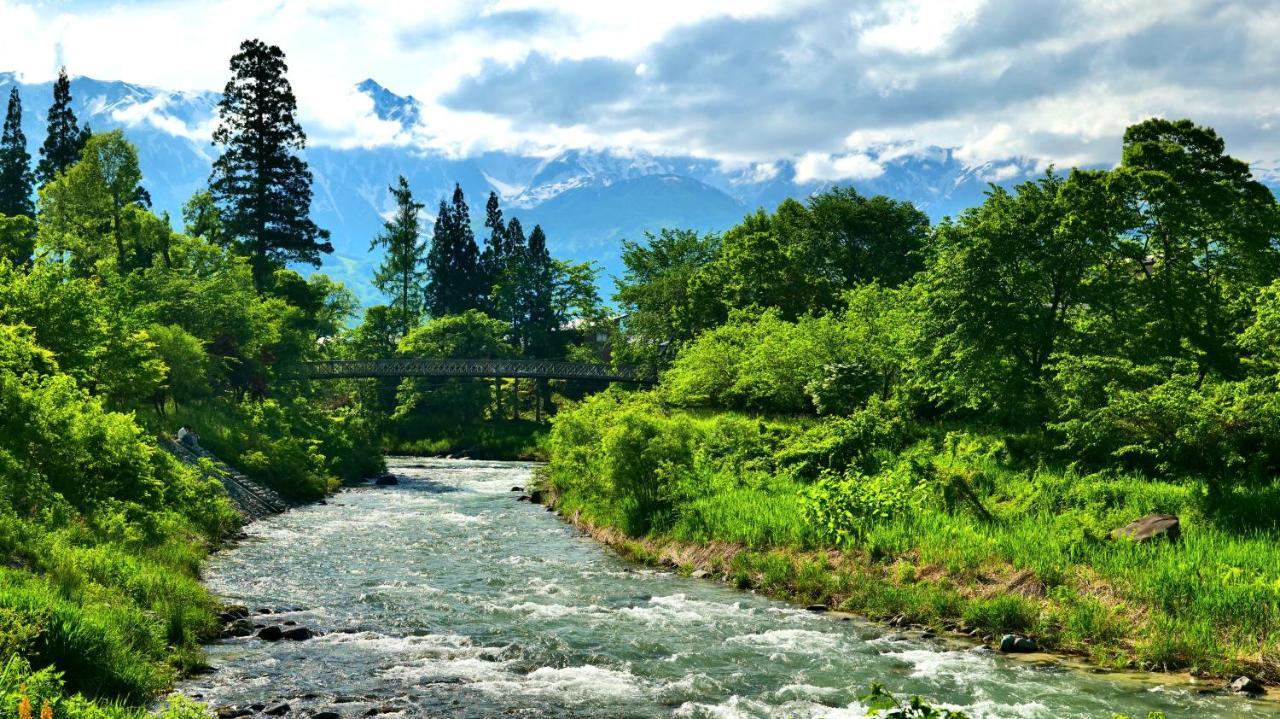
[(1150, 528), (1247, 685), (1014, 644)]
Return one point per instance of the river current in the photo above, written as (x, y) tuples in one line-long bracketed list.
[(443, 596)]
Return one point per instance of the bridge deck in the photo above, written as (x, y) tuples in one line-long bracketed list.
[(423, 367)]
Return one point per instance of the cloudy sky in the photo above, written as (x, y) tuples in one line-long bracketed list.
[(838, 87)]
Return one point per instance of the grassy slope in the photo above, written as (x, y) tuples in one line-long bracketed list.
[(1043, 566), (110, 606)]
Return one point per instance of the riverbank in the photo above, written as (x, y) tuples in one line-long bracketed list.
[(952, 532), (444, 596), (101, 602)]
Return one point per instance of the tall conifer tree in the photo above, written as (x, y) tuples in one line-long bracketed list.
[(403, 266), (493, 258), (262, 187), (538, 292), (453, 263), (64, 141), (15, 163)]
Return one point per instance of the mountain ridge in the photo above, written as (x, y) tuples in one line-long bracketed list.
[(587, 200)]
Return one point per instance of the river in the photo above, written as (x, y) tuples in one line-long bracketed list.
[(445, 597)]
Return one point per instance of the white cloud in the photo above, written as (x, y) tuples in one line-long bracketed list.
[(915, 26), (826, 168), (841, 88), (757, 172)]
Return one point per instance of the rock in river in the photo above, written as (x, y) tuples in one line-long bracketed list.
[(386, 480), (271, 634), (238, 628), (298, 634), (1150, 527), (278, 710)]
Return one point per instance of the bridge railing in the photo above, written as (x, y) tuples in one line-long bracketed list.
[(433, 367)]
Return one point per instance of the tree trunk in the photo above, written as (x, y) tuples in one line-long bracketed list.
[(515, 398)]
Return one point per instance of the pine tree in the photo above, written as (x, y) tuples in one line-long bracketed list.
[(538, 298), (538, 293), (453, 264), (15, 163), (493, 258), (261, 185), (402, 271), (506, 291), (64, 141)]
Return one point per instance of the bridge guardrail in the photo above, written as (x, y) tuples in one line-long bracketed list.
[(432, 367)]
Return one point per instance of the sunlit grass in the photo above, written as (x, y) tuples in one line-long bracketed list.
[(1043, 564)]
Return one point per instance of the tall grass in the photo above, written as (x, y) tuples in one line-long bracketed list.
[(1036, 559)]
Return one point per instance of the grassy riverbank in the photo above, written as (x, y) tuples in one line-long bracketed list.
[(101, 607), (958, 529)]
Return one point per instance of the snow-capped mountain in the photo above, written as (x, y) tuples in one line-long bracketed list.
[(588, 201)]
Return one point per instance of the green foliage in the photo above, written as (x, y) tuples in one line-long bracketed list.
[(663, 307), (115, 323), (187, 366), (842, 508), (471, 335), (882, 703), (1004, 284), (47, 688), (90, 209), (17, 238)]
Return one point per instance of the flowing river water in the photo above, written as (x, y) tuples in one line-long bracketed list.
[(445, 597)]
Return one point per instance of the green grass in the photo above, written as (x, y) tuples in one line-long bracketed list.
[(1042, 564)]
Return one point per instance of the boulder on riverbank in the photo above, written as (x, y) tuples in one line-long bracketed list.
[(1014, 644), (1150, 528), (1246, 685)]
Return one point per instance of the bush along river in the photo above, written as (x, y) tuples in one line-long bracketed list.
[(443, 596)]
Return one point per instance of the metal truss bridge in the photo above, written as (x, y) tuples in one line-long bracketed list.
[(411, 367)]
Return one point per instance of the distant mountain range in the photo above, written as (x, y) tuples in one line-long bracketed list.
[(587, 201)]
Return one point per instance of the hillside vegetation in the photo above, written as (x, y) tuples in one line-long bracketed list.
[(943, 425), (115, 330)]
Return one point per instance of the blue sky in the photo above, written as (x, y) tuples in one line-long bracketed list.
[(837, 87)]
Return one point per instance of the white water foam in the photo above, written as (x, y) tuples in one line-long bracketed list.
[(573, 685)]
